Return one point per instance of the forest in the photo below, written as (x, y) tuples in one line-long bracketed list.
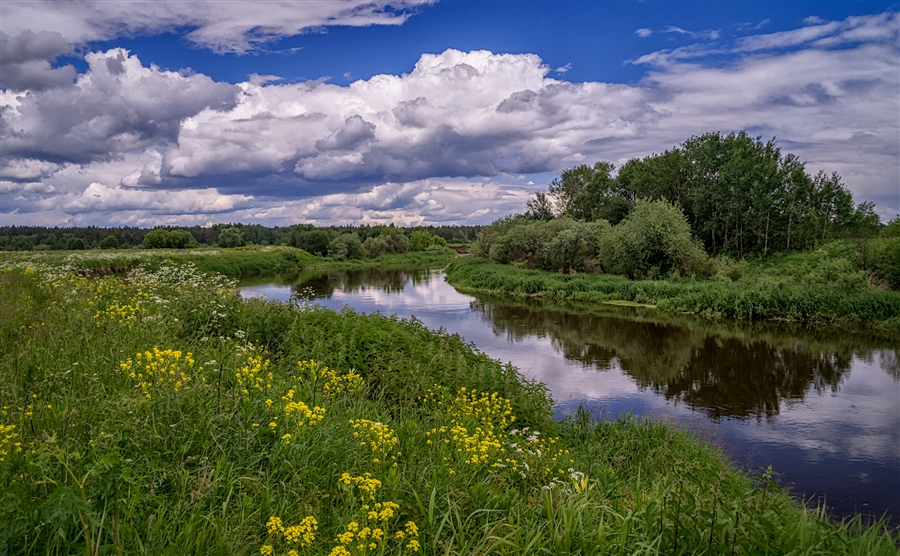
[(315, 240)]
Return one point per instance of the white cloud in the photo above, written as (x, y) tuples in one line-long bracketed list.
[(643, 33), (563, 69), (117, 106), (220, 26), (711, 34), (394, 146), (881, 27)]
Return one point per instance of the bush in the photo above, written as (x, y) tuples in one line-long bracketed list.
[(346, 246), (76, 243), (375, 246), (231, 237), (886, 260), (109, 242), (312, 241), (163, 239), (653, 241)]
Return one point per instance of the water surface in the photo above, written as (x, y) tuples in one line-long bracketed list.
[(821, 407)]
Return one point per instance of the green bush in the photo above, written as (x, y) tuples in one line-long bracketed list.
[(346, 246), (375, 246), (164, 239), (886, 260), (231, 237), (109, 242), (652, 242)]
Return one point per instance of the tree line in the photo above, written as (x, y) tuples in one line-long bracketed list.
[(690, 211), (740, 195), (313, 239)]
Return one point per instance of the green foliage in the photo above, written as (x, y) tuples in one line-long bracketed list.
[(892, 229), (346, 246), (109, 242), (204, 466), (588, 193), (231, 237), (653, 241), (375, 246), (885, 262), (740, 195), (313, 241), (160, 238), (397, 242), (809, 287), (76, 244)]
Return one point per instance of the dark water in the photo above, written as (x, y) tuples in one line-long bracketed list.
[(822, 408)]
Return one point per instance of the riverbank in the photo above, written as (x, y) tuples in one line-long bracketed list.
[(233, 262), (758, 295), (410, 441)]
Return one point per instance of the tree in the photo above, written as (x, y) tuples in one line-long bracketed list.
[(419, 240), (375, 246), (590, 193), (231, 237), (109, 242), (346, 246), (156, 239), (539, 208), (76, 243)]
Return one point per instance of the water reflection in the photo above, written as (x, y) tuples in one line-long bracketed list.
[(724, 376), (821, 406), (326, 283)]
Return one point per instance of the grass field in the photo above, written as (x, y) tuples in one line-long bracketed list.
[(232, 262), (158, 413)]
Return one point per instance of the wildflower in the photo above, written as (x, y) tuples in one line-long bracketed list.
[(377, 437)]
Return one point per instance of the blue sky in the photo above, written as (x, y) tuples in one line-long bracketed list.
[(412, 111)]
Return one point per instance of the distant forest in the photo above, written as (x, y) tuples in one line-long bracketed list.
[(305, 236)]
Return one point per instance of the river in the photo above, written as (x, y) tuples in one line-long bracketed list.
[(822, 408)]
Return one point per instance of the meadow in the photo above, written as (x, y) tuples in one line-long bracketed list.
[(156, 412), (233, 262), (815, 287)]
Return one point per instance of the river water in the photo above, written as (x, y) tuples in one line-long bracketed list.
[(822, 408)]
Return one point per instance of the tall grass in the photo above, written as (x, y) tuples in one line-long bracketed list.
[(233, 262), (762, 294), (160, 413)]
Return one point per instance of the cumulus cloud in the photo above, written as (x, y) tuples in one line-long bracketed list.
[(643, 32), (220, 26), (456, 114), (117, 106), (400, 146), (26, 61)]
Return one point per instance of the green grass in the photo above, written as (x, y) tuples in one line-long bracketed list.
[(92, 465), (804, 288), (233, 262)]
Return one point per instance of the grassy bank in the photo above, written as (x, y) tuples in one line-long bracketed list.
[(161, 414), (229, 262), (795, 288)]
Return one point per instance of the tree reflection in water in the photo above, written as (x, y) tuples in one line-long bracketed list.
[(724, 370)]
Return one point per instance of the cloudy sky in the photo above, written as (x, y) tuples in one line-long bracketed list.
[(416, 111)]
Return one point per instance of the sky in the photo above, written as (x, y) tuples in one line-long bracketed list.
[(416, 112)]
